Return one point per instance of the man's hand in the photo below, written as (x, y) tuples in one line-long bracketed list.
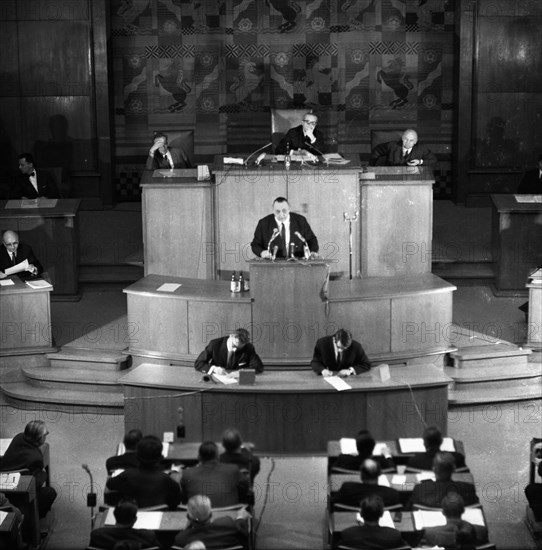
[(327, 372), (314, 256), (2, 275), (156, 145), (32, 269), (346, 372), (414, 162), (265, 254), (217, 370), (312, 157)]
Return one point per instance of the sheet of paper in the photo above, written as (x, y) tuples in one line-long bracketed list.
[(6, 282), (224, 379), (348, 446), (39, 283), (18, 268), (415, 445), (338, 383), (165, 448), (148, 520), (4, 441), (10, 480), (3, 516), (398, 479), (422, 476), (233, 160), (169, 287), (383, 480), (385, 521), (528, 198)]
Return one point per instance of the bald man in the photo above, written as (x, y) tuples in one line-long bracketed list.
[(406, 152), (13, 252)]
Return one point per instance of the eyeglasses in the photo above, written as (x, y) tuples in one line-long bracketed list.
[(15, 243), (310, 122)]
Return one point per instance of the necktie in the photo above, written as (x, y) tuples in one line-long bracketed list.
[(13, 260), (283, 252), (339, 358), (230, 360)]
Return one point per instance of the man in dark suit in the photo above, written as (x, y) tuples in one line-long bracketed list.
[(370, 534), (14, 252), (163, 156), (407, 152), (339, 354), (531, 183), (365, 444), (24, 452), (125, 517), (305, 137), (430, 493), (533, 492), (352, 493), (228, 354), (453, 508), (237, 453), (129, 458), (148, 484), (289, 232), (432, 440), (220, 533), (222, 483), (32, 183)]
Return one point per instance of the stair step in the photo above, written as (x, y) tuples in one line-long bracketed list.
[(84, 379), (487, 374), (92, 359), (481, 396), (490, 356), (463, 270), (24, 395)]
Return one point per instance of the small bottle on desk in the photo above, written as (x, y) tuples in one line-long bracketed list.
[(241, 282), (287, 157), (233, 283)]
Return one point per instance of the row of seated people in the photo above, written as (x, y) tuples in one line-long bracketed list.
[(372, 494)]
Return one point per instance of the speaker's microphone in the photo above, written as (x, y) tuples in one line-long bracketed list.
[(300, 237), (91, 497), (273, 237), (275, 250), (318, 152), (261, 156), (306, 250), (257, 151)]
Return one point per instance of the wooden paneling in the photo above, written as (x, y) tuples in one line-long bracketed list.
[(10, 81)]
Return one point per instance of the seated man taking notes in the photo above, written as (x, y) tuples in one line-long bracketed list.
[(305, 137), (229, 354), (14, 252), (284, 234), (406, 152), (339, 355)]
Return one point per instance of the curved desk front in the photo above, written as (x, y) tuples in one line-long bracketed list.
[(288, 411)]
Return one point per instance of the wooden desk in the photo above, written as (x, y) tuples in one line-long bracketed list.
[(53, 234), (25, 319), (9, 531), (394, 319), (177, 226), (24, 497), (516, 238), (284, 412)]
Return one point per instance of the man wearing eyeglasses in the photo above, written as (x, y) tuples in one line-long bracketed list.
[(13, 252), (305, 137)]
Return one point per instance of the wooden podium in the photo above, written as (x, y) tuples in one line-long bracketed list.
[(288, 308)]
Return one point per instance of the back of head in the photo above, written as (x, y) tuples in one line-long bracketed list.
[(131, 439), (372, 508), (195, 545), (343, 337), (125, 512), (443, 466), (231, 440), (208, 451), (198, 509), (453, 505), (34, 431), (370, 471), (365, 444), (432, 438), (149, 450)]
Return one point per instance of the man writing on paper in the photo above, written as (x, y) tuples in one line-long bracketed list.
[(406, 152), (228, 354), (287, 231), (14, 252), (305, 137), (339, 355)]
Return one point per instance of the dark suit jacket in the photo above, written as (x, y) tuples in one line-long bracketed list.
[(216, 353), (431, 493), (244, 460), (24, 252), (46, 186), (178, 156), (220, 533), (122, 462), (531, 183), (391, 154), (222, 483), (264, 232), (444, 535), (148, 486), (424, 461), (107, 537), (352, 493), (298, 140), (369, 536), (324, 357), (23, 454)]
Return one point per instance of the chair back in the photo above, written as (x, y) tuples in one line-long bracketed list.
[(344, 547), (383, 136), (284, 119)]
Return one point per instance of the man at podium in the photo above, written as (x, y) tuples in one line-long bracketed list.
[(339, 355), (284, 234)]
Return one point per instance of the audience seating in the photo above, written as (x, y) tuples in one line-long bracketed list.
[(237, 547), (343, 547)]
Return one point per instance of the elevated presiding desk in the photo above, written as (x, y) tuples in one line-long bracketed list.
[(204, 229), (285, 411)]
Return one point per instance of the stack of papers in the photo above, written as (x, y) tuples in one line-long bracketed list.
[(433, 518), (39, 283), (9, 481), (415, 445), (145, 520)]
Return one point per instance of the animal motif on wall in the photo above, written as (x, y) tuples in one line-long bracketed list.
[(396, 79), (356, 10), (288, 9), (172, 82), (247, 81)]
